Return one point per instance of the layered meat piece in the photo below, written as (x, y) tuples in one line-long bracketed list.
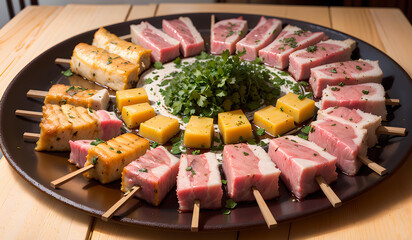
[(264, 33), (341, 139), (344, 73), (247, 166), (108, 69), (183, 30), (290, 39), (75, 95), (155, 172), (164, 48), (78, 151), (329, 51), (226, 33), (368, 97), (127, 50), (110, 157), (300, 161), (199, 179), (358, 117), (67, 122)]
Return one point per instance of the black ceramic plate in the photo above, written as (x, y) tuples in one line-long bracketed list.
[(39, 168)]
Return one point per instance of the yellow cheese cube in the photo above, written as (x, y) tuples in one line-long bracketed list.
[(135, 114), (159, 129), (300, 110), (130, 96), (234, 126), (273, 120), (199, 132)]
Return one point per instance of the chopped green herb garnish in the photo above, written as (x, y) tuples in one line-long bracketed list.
[(230, 204), (358, 67), (97, 142), (245, 153), (90, 110), (148, 81), (155, 144), (224, 181), (226, 212), (142, 170), (177, 61), (341, 84), (216, 139), (19, 148), (119, 152), (314, 154), (333, 125), (365, 92), (335, 89), (196, 152), (158, 65), (312, 48), (94, 160), (260, 131), (333, 70), (191, 169), (67, 73)]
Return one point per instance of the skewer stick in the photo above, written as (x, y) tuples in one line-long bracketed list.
[(62, 61), (391, 130), (330, 194), (195, 217), (267, 215), (109, 213), (25, 113), (128, 36), (392, 102), (36, 94), (31, 136), (212, 21), (56, 183), (372, 165)]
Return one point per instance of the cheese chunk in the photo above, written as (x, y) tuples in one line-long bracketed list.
[(300, 110), (130, 97), (273, 120), (234, 126), (109, 158), (135, 114), (159, 129), (199, 132)]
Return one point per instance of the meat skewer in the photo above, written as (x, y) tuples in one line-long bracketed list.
[(251, 175), (304, 166), (226, 33), (105, 161), (154, 173), (63, 123)]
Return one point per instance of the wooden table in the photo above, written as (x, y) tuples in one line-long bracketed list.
[(26, 213)]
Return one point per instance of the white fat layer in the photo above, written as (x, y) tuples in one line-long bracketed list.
[(160, 171), (137, 30), (346, 45), (192, 28), (266, 166), (100, 100), (368, 119), (173, 159), (214, 177), (234, 37), (304, 163), (182, 180), (112, 116), (313, 146)]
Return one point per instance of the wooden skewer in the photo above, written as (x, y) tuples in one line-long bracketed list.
[(372, 165), (128, 36), (25, 113), (42, 94), (56, 183), (31, 136), (62, 61), (195, 217), (109, 213), (267, 215), (392, 102), (212, 21), (330, 194), (391, 130)]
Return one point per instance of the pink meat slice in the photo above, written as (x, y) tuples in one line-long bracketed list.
[(164, 48), (342, 140), (277, 53), (78, 151), (300, 161), (264, 33), (347, 73), (183, 30), (361, 119), (368, 97), (226, 33), (155, 172), (110, 125), (247, 166), (199, 179), (329, 51)]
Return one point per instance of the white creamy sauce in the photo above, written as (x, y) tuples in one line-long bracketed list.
[(158, 75)]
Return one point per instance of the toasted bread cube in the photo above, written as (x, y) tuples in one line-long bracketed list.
[(159, 129), (273, 120), (130, 97), (300, 110), (135, 114), (199, 132), (234, 126)]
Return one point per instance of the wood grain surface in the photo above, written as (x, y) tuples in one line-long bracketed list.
[(25, 213)]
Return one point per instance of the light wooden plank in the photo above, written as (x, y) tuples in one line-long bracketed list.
[(278, 233), (27, 213), (357, 22), (312, 14), (383, 213), (107, 231), (142, 11), (72, 20), (395, 32), (19, 33)]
